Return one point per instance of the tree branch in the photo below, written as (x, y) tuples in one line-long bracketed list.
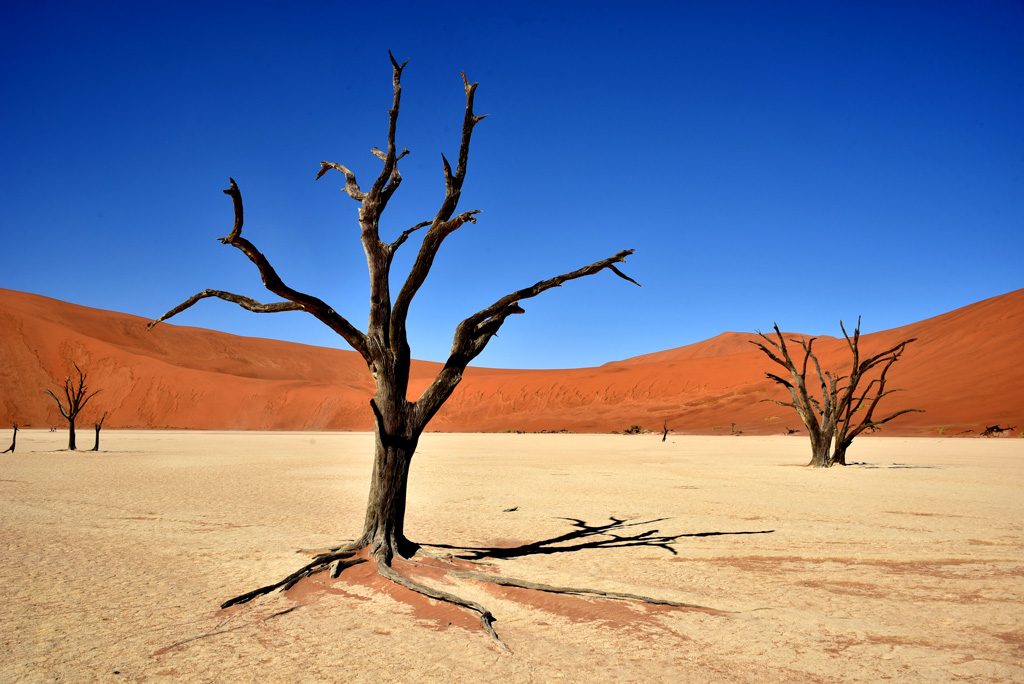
[(441, 227), (243, 301), (473, 333), (351, 186), (393, 247), (297, 301)]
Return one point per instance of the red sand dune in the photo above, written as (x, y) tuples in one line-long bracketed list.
[(966, 370)]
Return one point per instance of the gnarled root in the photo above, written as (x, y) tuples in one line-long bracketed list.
[(576, 591), (486, 617), (340, 558), (336, 559)]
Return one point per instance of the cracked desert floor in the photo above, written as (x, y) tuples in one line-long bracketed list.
[(907, 567)]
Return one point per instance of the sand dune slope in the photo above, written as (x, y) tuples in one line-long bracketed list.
[(965, 369)]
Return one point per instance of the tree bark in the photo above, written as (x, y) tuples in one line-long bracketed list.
[(99, 426), (819, 452), (384, 525), (71, 435)]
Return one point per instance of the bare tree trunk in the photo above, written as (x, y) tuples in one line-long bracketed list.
[(384, 525), (820, 447), (14, 441), (839, 453), (99, 426), (71, 434)]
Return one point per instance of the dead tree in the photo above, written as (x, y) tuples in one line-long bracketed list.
[(664, 432), (14, 440), (844, 411), (76, 393), (398, 421), (990, 431), (99, 426)]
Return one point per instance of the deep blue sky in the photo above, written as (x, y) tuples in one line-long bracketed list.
[(798, 162)]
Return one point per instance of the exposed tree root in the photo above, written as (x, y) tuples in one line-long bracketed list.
[(486, 617), (337, 559), (576, 591)]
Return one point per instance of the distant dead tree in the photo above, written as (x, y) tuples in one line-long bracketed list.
[(791, 431), (14, 441), (992, 430), (76, 392), (398, 421), (833, 419), (664, 432), (99, 426)]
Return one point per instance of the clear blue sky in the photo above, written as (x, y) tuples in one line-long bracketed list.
[(798, 162)]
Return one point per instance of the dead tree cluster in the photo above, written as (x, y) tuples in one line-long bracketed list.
[(398, 421), (847, 406), (77, 395)]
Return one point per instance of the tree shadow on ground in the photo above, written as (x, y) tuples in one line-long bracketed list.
[(892, 465), (609, 535)]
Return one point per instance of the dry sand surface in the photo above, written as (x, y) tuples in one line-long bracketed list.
[(908, 568)]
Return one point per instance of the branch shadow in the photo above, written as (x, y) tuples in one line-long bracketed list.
[(892, 465), (585, 536)]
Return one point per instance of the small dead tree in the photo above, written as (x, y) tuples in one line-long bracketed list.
[(76, 392), (99, 425), (14, 440), (398, 421), (990, 431), (844, 411)]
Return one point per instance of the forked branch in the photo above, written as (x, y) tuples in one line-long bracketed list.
[(296, 301), (473, 333)]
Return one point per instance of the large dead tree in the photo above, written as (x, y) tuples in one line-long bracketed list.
[(77, 394), (398, 421), (846, 408)]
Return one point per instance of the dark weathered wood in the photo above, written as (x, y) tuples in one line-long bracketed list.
[(989, 431), (398, 422), (76, 392), (577, 591), (99, 426), (834, 419), (14, 441)]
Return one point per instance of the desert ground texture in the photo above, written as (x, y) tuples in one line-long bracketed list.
[(906, 567)]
